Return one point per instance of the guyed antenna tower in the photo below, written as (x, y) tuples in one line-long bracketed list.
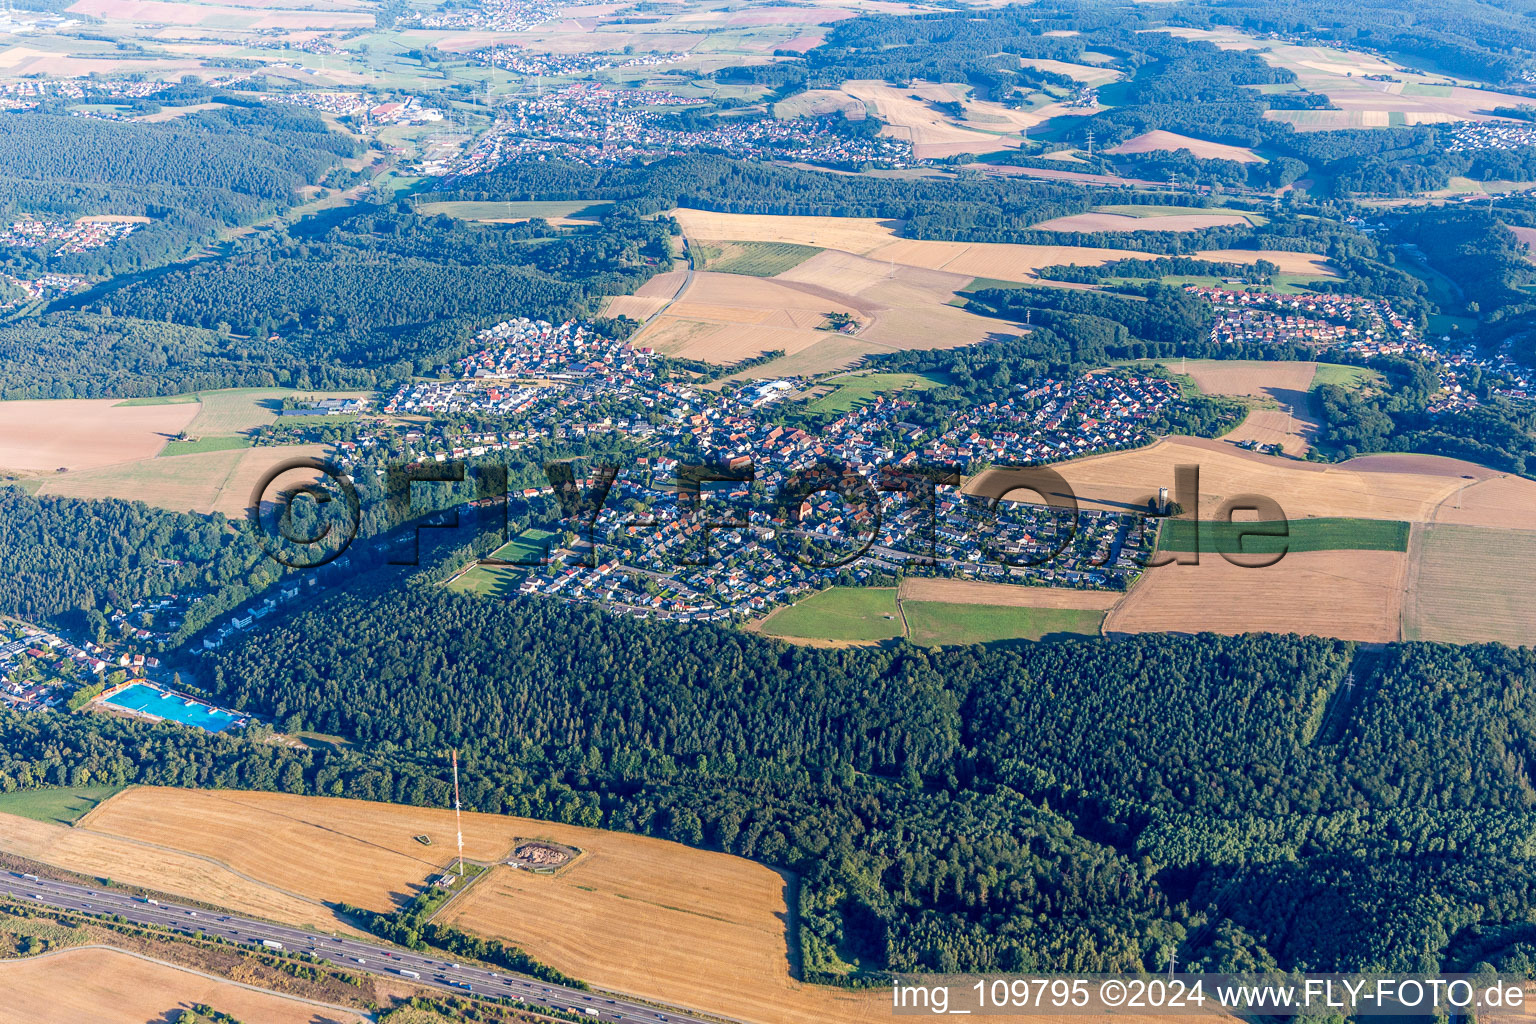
[(458, 822)]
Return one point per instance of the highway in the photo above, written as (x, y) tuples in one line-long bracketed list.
[(352, 954)]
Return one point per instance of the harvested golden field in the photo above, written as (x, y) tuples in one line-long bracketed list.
[(1501, 502), (108, 986), (850, 234), (280, 842), (219, 481), (1288, 262), (876, 239), (1351, 595), (1085, 73), (1285, 415), (649, 298), (1250, 378), (160, 12), (1290, 430), (1408, 488), (83, 434), (1160, 140), (1467, 584), (725, 318), (702, 931), (643, 915), (819, 103), (907, 307), (996, 259), (1003, 595), (932, 134), (131, 862), (1341, 75), (1121, 222)]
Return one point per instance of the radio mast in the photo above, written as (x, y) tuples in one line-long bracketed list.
[(457, 820)]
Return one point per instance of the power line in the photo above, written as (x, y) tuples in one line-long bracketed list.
[(457, 820)]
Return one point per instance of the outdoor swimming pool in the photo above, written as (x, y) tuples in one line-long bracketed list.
[(174, 707)]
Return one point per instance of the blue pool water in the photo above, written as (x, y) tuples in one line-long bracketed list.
[(173, 706)]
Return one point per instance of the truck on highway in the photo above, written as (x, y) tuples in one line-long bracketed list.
[(590, 1012), (271, 945), (408, 973)]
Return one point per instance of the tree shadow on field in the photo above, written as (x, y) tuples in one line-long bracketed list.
[(790, 919)]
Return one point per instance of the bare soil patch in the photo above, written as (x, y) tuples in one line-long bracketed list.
[(42, 436), (219, 481)]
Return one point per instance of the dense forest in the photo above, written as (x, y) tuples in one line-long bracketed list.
[(1206, 795), (190, 176), (73, 560), (1498, 432), (1472, 38), (89, 355), (376, 287)]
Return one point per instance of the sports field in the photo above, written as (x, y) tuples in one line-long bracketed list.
[(108, 986), (1468, 584), (530, 547), (860, 389)]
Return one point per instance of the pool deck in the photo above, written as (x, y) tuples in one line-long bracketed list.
[(103, 702)]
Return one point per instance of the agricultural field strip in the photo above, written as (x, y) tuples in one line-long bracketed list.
[(68, 896), (1321, 534), (52, 981), (363, 841)]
